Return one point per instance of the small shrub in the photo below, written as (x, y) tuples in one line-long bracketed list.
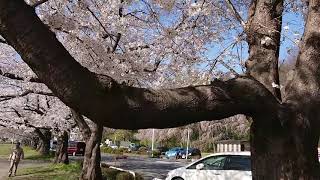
[(109, 150), (113, 174), (155, 154), (143, 150)]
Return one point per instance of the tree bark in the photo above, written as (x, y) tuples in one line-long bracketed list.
[(283, 145), (34, 141), (100, 98), (284, 133), (44, 137), (91, 169), (61, 155)]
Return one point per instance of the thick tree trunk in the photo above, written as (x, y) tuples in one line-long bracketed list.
[(280, 149), (286, 152), (34, 142), (44, 137), (283, 141), (61, 155), (91, 169)]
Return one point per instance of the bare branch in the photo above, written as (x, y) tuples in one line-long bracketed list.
[(17, 77), (81, 123), (234, 72), (116, 42), (3, 41), (25, 93), (111, 104), (156, 65), (235, 13), (38, 3), (102, 26), (36, 110)]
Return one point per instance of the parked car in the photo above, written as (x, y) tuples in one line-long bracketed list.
[(53, 145), (161, 149), (76, 148), (174, 153), (194, 152), (219, 166), (133, 147), (113, 146)]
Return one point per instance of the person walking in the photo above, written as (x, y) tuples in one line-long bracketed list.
[(16, 155)]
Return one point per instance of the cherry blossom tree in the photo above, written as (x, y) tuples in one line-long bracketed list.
[(95, 47)]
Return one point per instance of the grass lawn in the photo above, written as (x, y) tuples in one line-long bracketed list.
[(67, 172), (50, 172), (5, 150), (29, 153)]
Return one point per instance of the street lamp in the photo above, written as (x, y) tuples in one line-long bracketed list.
[(188, 139), (152, 142)]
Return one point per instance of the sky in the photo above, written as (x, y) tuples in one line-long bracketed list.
[(292, 30)]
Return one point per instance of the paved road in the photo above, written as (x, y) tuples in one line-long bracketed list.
[(148, 167)]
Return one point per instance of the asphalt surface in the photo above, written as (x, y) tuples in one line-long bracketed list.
[(149, 168)]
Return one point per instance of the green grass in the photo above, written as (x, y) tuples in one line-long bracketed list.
[(50, 172), (67, 172), (5, 150), (29, 153)]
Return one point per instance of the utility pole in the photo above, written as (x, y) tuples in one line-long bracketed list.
[(188, 139), (152, 142)]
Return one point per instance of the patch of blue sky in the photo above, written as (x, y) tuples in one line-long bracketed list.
[(292, 30)]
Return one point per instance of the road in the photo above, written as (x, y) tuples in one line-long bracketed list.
[(149, 168)]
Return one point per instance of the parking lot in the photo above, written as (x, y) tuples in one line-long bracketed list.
[(149, 168)]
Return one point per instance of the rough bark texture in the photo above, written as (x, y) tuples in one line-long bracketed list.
[(101, 99), (61, 155), (283, 145), (284, 133), (44, 144), (263, 36), (34, 141), (91, 169)]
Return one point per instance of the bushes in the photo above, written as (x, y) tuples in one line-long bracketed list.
[(114, 174), (156, 154), (109, 150)]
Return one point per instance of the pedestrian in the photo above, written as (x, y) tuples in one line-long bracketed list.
[(16, 155)]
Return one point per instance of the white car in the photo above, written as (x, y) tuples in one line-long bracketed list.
[(219, 166)]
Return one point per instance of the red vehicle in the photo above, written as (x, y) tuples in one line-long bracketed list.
[(76, 148)]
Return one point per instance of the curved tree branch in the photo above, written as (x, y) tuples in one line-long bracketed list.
[(82, 124), (38, 3), (106, 102)]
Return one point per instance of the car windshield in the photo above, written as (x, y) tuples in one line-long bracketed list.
[(238, 163), (72, 144), (174, 149), (225, 162)]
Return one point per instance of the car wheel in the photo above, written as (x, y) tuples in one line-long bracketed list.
[(177, 178), (74, 154)]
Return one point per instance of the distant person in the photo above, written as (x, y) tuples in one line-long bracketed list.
[(16, 155)]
